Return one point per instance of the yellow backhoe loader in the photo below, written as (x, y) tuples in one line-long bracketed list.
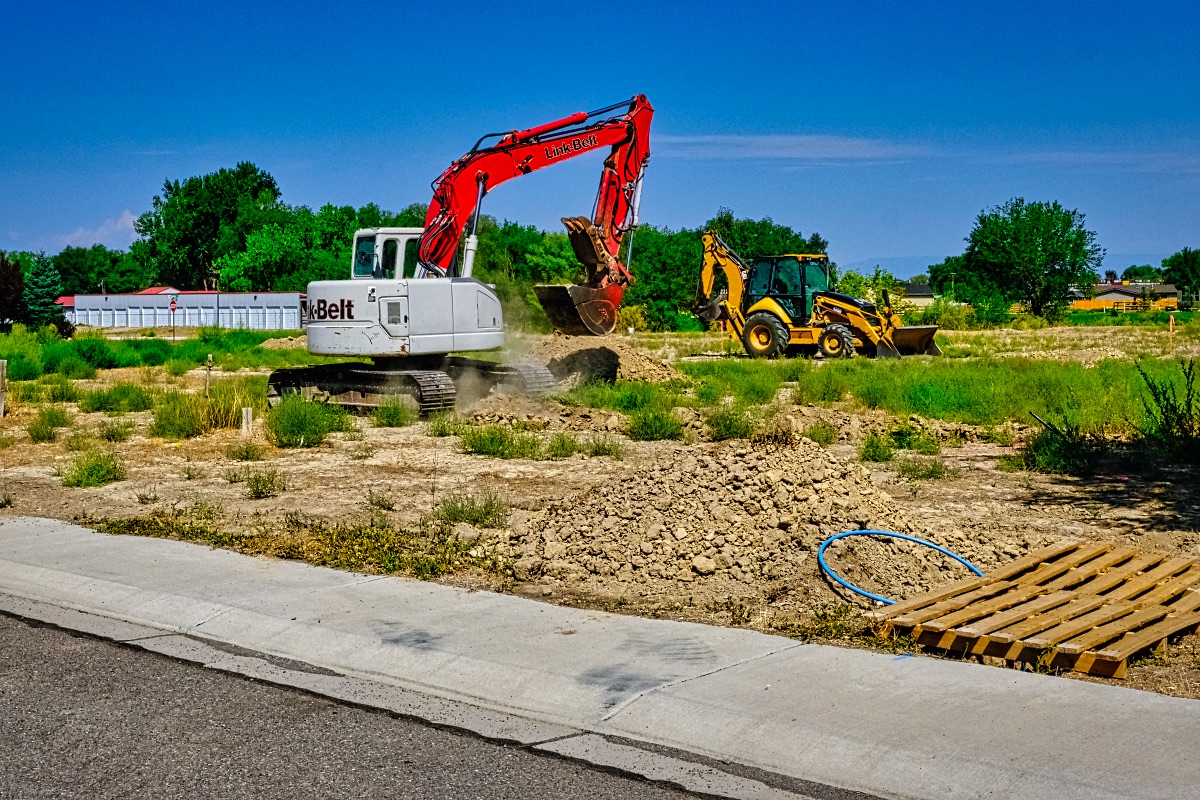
[(782, 303)]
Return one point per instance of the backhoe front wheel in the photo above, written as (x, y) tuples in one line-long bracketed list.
[(836, 341), (765, 336)]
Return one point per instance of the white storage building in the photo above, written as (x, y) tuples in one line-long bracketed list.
[(151, 308)]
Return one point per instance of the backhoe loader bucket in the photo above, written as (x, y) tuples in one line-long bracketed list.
[(916, 340), (581, 310)]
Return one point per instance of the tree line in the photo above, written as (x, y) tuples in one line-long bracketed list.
[(231, 230)]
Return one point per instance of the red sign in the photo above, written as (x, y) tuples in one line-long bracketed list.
[(172, 306)]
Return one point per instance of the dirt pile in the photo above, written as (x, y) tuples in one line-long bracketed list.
[(580, 359), (715, 513), (286, 343)]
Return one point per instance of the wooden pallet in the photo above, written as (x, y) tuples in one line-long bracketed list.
[(1077, 606)]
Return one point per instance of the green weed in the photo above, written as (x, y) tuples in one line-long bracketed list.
[(729, 422), (446, 423), (227, 398), (246, 451), (922, 469), (381, 500), (119, 399), (603, 446), (393, 413), (296, 422), (499, 442), (263, 483), (876, 448), (821, 432), (486, 511), (93, 468), (653, 424), (45, 427), (181, 416), (6, 442), (78, 441), (562, 445)]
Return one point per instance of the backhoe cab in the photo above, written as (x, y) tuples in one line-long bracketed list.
[(783, 302)]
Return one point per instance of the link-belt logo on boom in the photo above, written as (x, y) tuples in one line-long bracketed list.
[(340, 309), (573, 146)]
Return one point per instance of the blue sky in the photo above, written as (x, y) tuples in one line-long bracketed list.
[(884, 126)]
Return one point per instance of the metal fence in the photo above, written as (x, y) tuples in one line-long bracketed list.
[(256, 311)]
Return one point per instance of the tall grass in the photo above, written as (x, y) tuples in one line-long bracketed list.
[(297, 422), (117, 399)]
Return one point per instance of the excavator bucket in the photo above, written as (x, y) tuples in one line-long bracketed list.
[(915, 340), (581, 310)]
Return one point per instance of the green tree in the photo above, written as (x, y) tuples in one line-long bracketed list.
[(1032, 253), (1183, 270), (666, 270), (42, 289), (751, 238), (196, 222), (96, 270), (12, 292), (1145, 272), (870, 287)]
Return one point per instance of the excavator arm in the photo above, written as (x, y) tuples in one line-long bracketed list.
[(718, 256), (457, 193)]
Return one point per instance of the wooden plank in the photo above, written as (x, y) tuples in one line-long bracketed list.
[(952, 604), (1041, 622), (973, 611), (1062, 632), (1035, 606), (1168, 590), (1114, 577), (1053, 569), (1148, 580), (971, 584), (1135, 641), (1085, 572), (1106, 633)]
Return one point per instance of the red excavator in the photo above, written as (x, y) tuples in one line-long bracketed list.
[(411, 301)]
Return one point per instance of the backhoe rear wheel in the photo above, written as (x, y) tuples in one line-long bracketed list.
[(765, 336), (836, 341)]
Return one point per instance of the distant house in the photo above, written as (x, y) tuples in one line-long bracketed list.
[(151, 308), (1128, 296), (919, 294)]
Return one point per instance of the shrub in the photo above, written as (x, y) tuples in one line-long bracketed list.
[(6, 442), (180, 416), (264, 483), (75, 368), (395, 412), (94, 468), (603, 446), (821, 432), (653, 424), (246, 451), (907, 437), (227, 398), (54, 416), (562, 445), (729, 422), (1065, 449), (296, 422), (922, 469), (78, 441), (875, 448), (499, 442), (115, 431), (44, 428), (1002, 436), (488, 511), (381, 500), (177, 367), (121, 398), (58, 389), (446, 423), (1172, 419)]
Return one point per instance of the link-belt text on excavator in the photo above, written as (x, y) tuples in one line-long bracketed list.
[(341, 309), (573, 146)]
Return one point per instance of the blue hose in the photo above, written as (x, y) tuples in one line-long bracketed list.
[(887, 601)]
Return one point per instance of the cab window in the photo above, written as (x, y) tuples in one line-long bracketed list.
[(760, 278), (390, 248), (815, 277), (788, 280), (410, 257), (364, 257)]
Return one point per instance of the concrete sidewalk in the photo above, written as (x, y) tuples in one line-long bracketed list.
[(890, 726)]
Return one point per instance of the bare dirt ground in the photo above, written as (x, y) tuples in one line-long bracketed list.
[(724, 533)]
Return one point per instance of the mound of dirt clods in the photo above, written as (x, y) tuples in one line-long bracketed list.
[(580, 359), (734, 521)]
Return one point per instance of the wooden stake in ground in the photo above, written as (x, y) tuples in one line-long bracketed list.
[(247, 420), (3, 384), (207, 374)]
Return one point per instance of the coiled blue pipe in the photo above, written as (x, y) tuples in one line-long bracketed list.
[(839, 579)]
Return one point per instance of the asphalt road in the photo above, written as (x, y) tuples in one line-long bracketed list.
[(80, 717)]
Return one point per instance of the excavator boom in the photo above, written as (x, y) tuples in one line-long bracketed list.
[(592, 307)]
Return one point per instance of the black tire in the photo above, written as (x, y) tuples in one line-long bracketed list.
[(836, 341), (765, 336)]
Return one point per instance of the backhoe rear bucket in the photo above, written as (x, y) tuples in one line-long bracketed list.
[(916, 340), (581, 310)]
